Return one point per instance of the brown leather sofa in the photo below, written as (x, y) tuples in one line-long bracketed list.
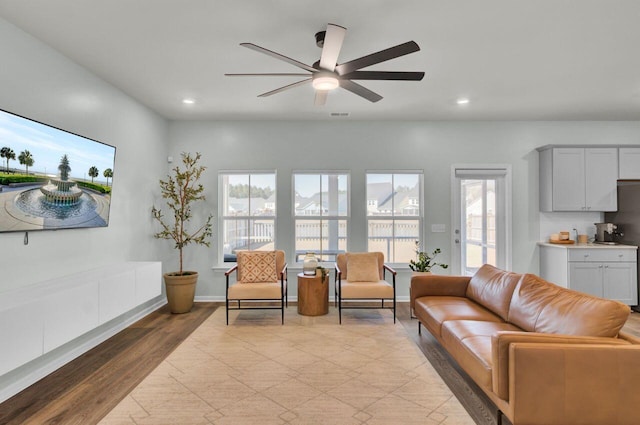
[(545, 355)]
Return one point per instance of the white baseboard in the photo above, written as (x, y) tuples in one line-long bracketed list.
[(30, 373)]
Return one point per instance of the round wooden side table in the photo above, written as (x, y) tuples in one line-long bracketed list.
[(313, 295)]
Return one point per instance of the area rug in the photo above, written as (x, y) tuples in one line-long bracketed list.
[(311, 370)]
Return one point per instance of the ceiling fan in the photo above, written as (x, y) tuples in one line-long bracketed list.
[(326, 74)]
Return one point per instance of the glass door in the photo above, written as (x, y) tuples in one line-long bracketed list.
[(480, 219)]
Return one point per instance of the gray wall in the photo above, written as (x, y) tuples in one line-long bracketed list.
[(39, 83), (360, 146)]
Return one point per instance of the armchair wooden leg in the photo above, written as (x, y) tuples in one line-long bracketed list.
[(227, 311), (340, 310), (419, 328), (499, 418)]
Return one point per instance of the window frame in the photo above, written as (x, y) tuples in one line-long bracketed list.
[(222, 217), (394, 218), (298, 258)]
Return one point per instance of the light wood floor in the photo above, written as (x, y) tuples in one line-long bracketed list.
[(85, 390)]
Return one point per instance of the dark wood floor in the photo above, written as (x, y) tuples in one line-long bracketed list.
[(85, 390)]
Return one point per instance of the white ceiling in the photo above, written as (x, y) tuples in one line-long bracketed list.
[(514, 60)]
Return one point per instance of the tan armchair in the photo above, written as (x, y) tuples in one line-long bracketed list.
[(261, 276), (360, 276)]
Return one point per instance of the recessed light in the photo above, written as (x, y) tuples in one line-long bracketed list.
[(188, 101), (462, 101)]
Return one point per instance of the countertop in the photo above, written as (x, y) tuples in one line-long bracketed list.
[(587, 246)]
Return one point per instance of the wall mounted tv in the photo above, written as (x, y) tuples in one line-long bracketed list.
[(50, 178)]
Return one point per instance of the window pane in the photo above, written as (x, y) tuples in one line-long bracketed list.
[(379, 191), (334, 239), (235, 236), (407, 194), (263, 194), (325, 238), (396, 239), (380, 237), (407, 232), (479, 237), (343, 195), (307, 194), (235, 194), (252, 234)]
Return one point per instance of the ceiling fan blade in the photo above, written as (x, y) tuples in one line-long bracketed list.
[(384, 75), (360, 90), (271, 74), (321, 97), (287, 87), (374, 58), (333, 39), (278, 56)]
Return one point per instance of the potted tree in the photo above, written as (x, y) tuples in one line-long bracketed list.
[(181, 190)]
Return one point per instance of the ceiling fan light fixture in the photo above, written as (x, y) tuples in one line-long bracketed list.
[(325, 82)]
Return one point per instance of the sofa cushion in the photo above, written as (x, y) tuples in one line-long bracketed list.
[(493, 288), (469, 343), (257, 291), (529, 298), (433, 311), (576, 313), (363, 290)]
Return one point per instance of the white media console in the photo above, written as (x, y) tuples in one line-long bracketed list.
[(45, 325)]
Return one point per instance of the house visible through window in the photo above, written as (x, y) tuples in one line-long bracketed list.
[(248, 212), (321, 211), (394, 214)]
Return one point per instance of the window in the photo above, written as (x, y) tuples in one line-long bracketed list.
[(394, 214), (321, 213), (248, 212)]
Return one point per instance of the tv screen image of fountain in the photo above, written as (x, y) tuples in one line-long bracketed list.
[(51, 178)]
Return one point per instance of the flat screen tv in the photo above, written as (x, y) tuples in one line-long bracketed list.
[(50, 178)]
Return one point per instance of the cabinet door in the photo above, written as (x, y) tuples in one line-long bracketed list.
[(586, 277), (620, 282), (569, 179), (629, 163), (601, 174)]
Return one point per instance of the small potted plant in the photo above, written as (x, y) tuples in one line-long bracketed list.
[(323, 273), (181, 190), (424, 262)]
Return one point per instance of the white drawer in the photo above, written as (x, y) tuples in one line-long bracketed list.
[(605, 254)]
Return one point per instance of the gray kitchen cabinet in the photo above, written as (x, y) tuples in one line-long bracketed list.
[(609, 273), (629, 163), (578, 179)]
